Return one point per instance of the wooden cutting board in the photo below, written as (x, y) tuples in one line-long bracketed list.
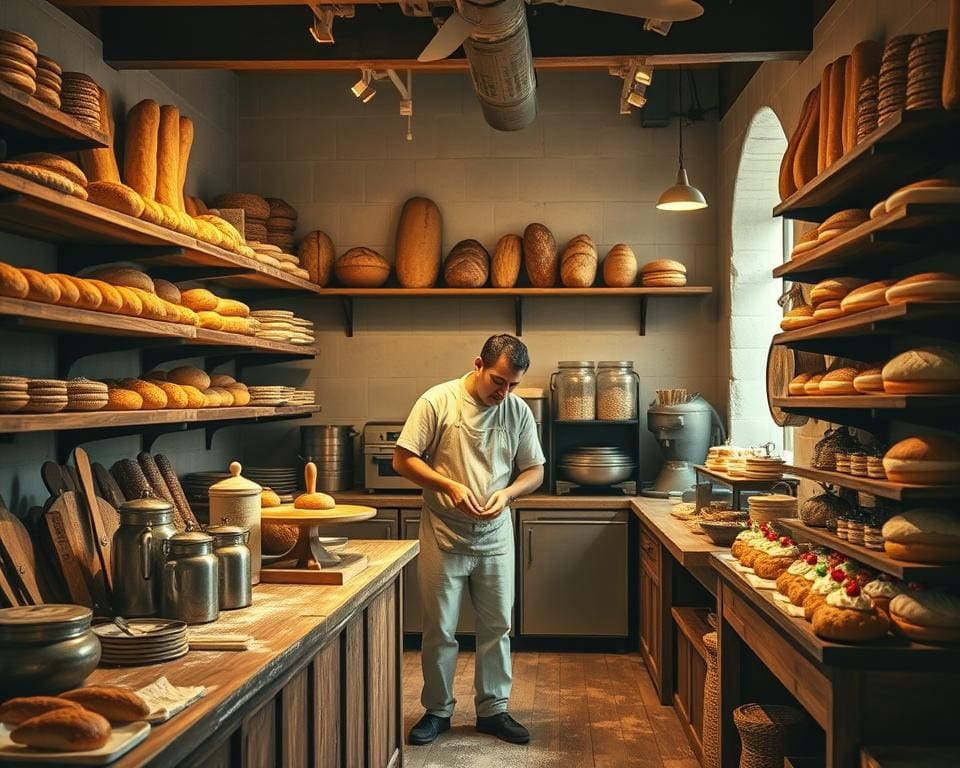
[(17, 549), (73, 553)]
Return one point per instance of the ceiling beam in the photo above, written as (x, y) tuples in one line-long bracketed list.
[(276, 37)]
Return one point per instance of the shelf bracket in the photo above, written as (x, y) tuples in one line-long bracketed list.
[(346, 303), (518, 314), (643, 315)]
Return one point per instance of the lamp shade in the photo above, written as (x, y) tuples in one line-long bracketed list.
[(681, 196)]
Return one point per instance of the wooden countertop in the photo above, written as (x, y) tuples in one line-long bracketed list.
[(289, 624), (689, 549), (534, 501)]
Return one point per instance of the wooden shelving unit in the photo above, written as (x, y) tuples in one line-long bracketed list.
[(927, 573), (692, 622), (865, 411), (883, 488), (739, 484), (348, 295), (877, 245), (900, 151), (24, 118)]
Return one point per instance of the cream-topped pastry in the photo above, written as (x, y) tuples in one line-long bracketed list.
[(841, 598), (884, 588), (800, 568)]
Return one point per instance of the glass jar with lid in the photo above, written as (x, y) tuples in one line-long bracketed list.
[(617, 390), (575, 390)]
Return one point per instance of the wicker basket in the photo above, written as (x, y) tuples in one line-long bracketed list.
[(834, 441), (822, 511), (711, 705), (768, 733)]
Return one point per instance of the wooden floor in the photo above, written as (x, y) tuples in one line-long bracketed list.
[(582, 709)]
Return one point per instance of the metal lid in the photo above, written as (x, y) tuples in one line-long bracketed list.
[(615, 364), (227, 535), (236, 484), (576, 364), (150, 510), (190, 543), (43, 623)]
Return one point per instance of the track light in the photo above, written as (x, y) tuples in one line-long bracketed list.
[(643, 75), (659, 26), (637, 96), (321, 30), (636, 77), (362, 89)]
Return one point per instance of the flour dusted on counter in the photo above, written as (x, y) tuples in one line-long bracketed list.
[(165, 699)]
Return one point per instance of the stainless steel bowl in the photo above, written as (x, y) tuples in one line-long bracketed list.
[(597, 475)]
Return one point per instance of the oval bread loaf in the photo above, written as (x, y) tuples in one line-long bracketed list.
[(232, 308), (362, 268), (467, 265), (118, 705), (13, 282), (42, 288), (69, 292), (806, 158), (578, 264), (125, 276), (63, 730), (506, 262), (419, 240), (620, 267), (199, 300), (110, 298), (187, 375), (15, 711), (166, 290), (540, 256), (317, 256)]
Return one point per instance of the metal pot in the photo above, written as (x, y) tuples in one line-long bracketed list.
[(236, 501), (138, 555), (233, 555), (191, 577), (582, 474), (46, 649)]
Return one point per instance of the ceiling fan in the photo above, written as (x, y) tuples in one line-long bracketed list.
[(496, 41)]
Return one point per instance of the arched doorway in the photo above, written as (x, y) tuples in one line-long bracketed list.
[(758, 247)]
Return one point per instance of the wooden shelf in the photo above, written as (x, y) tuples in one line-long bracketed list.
[(902, 150), (886, 654), (692, 622), (36, 211), (48, 422), (32, 315), (883, 488), (862, 410), (876, 246), (739, 483), (347, 296), (30, 123), (926, 573), (910, 755)]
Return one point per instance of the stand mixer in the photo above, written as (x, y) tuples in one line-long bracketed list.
[(685, 431)]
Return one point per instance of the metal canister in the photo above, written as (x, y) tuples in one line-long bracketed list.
[(236, 501), (138, 555), (190, 582), (233, 555)]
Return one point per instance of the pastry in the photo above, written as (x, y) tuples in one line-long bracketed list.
[(772, 563), (869, 296), (924, 370), (927, 286), (15, 711), (63, 730), (883, 589), (118, 705), (923, 460), (927, 616), (799, 589), (828, 580), (926, 535), (850, 616), (797, 570), (839, 382), (869, 381)]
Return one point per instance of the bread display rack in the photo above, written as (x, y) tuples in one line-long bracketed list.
[(85, 233)]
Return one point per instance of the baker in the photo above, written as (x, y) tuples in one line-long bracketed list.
[(473, 447)]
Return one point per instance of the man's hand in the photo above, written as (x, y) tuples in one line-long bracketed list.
[(463, 499), (496, 504)]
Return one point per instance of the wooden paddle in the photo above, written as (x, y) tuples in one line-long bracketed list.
[(63, 520), (17, 550), (95, 506)]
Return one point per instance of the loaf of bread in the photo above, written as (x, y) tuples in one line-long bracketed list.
[(187, 375), (578, 263), (467, 265), (950, 90), (316, 254), (110, 298), (277, 538), (186, 143), (362, 268), (506, 261), (805, 160), (168, 157), (864, 61), (620, 267), (140, 148), (101, 164), (232, 308), (211, 320), (15, 711), (116, 196), (13, 282), (154, 398), (176, 395), (69, 292), (195, 398), (41, 287), (119, 399), (166, 290), (826, 78), (63, 730), (199, 300), (835, 111), (419, 240), (127, 276), (55, 164), (786, 183), (540, 256)]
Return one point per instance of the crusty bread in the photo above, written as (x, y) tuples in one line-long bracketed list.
[(168, 158), (63, 730), (467, 265), (118, 705), (362, 268), (69, 292), (210, 320), (42, 288), (277, 538), (805, 160), (199, 300), (316, 254), (140, 148), (116, 196), (418, 243), (620, 266), (154, 398), (232, 308), (189, 376), (823, 119), (506, 261), (787, 185), (13, 282), (166, 290), (269, 498), (540, 256), (834, 289), (835, 111), (15, 711), (100, 164), (923, 460), (132, 305), (314, 501), (55, 163), (186, 143), (864, 62), (126, 276)]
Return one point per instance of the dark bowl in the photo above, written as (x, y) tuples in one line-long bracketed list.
[(722, 534)]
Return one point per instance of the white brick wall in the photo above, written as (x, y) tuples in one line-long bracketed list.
[(579, 168)]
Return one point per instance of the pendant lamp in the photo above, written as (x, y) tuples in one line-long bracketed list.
[(681, 196)]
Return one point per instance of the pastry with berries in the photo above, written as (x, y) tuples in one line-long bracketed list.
[(776, 560), (828, 580), (797, 570), (850, 616)]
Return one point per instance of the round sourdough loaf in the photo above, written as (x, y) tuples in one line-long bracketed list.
[(506, 261), (923, 371), (540, 256), (926, 460), (362, 268), (123, 276), (578, 263), (620, 267), (923, 536), (419, 239), (317, 255), (187, 375), (467, 265)]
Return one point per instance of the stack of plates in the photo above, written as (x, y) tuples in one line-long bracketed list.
[(304, 397), (13, 393), (720, 456), (283, 480), (764, 468), (283, 325), (270, 395), (197, 484), (154, 640), (769, 507)]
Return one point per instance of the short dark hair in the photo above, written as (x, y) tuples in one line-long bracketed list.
[(505, 345)]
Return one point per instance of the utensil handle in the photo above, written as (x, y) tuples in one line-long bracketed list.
[(100, 539), (310, 476), (146, 546)]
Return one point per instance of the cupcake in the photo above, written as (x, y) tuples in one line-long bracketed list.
[(883, 589), (849, 616), (776, 560), (927, 616)]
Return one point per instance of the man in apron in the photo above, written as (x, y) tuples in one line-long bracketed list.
[(462, 443)]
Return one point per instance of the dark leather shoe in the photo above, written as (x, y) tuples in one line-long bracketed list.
[(504, 728), (428, 728)]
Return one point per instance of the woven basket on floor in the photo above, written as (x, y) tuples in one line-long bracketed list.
[(767, 732), (711, 705)]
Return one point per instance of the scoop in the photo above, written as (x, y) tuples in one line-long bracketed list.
[(311, 499)]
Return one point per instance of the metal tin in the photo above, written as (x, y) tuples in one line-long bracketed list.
[(230, 547), (46, 649), (236, 500), (138, 555), (190, 580)]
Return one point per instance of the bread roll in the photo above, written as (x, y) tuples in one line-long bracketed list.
[(923, 460), (951, 71), (827, 310), (786, 183), (835, 111), (812, 385), (927, 286), (362, 268), (798, 317), (834, 289), (63, 730), (186, 142), (467, 265), (140, 148), (168, 157), (316, 254), (823, 122), (506, 261), (189, 376), (805, 160), (540, 256), (269, 498), (15, 711), (923, 536), (869, 296), (118, 705), (869, 381), (864, 61), (419, 240), (221, 380), (839, 382), (929, 370), (620, 267)]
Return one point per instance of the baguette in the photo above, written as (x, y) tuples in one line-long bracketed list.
[(140, 148), (168, 157), (864, 61), (118, 705), (16, 711), (835, 111), (825, 81), (806, 158), (101, 164), (186, 142), (950, 91), (63, 730)]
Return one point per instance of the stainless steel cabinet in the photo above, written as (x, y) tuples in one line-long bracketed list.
[(412, 621), (573, 574)]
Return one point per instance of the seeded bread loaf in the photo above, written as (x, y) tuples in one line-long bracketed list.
[(419, 239), (540, 256), (467, 265), (140, 148), (506, 261), (316, 254)]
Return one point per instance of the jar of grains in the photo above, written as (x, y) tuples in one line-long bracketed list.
[(617, 389), (575, 390)]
